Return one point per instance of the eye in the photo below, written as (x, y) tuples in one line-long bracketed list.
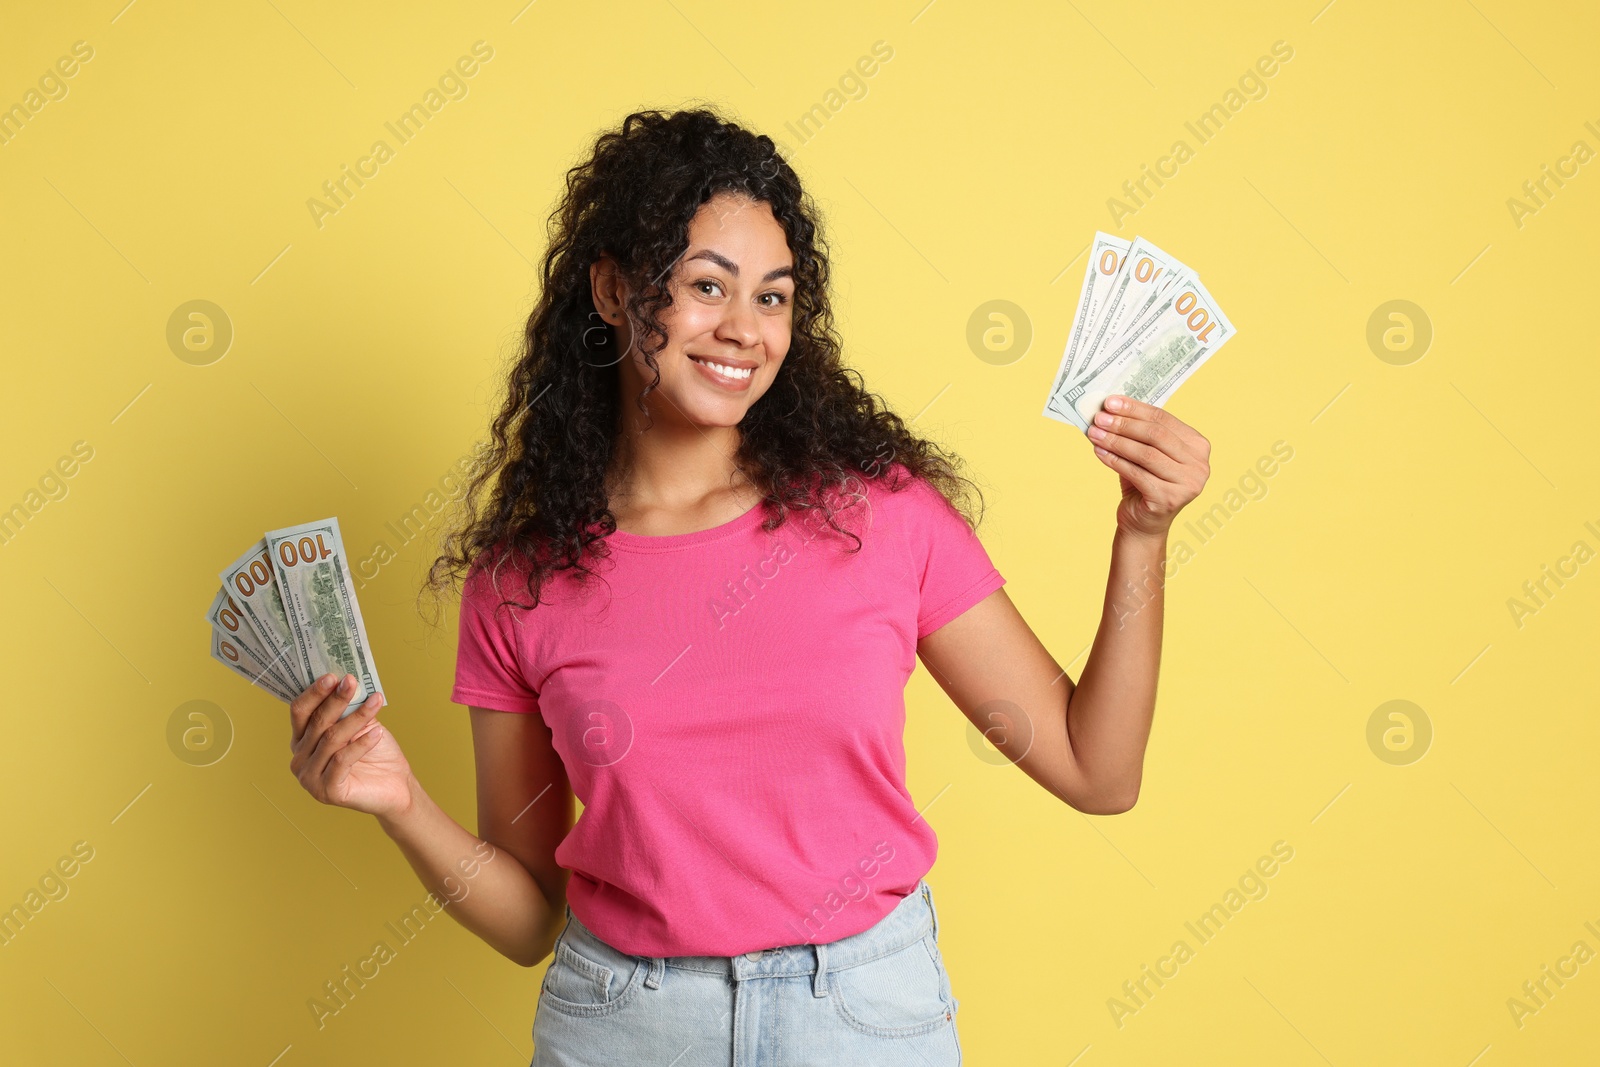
[(781, 300), (708, 281)]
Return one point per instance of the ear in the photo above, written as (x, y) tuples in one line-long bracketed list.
[(607, 289)]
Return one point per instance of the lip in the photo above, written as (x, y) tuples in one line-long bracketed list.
[(731, 385)]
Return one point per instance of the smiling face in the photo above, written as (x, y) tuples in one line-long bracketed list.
[(728, 327)]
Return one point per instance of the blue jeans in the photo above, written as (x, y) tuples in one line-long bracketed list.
[(880, 997)]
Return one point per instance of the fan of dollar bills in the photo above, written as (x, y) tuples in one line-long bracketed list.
[(1144, 324), (287, 614)]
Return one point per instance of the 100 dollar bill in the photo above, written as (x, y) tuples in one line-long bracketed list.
[(252, 583), (233, 654), (228, 618), (1182, 332), (1146, 272), (320, 607), (1106, 255)]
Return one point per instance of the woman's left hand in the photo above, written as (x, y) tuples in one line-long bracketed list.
[(1163, 462)]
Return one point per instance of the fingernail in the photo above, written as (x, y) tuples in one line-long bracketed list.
[(325, 681), (1096, 433), (1103, 419), (1114, 403)]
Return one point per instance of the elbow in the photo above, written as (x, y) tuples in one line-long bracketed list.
[(1117, 807), (1107, 801), (1106, 806), (529, 955), (533, 953)]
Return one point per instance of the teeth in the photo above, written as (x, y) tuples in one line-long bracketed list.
[(731, 373)]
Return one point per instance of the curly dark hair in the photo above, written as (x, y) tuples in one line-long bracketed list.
[(815, 431)]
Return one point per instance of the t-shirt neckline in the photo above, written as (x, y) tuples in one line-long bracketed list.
[(663, 542)]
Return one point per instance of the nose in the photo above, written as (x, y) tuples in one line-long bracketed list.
[(738, 325)]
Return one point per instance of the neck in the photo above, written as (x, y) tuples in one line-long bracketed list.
[(674, 464)]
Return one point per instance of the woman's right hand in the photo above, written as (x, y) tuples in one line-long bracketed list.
[(351, 762)]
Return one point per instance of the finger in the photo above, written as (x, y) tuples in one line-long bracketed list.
[(302, 706), (340, 733), (346, 727), (338, 768), (1120, 404), (1151, 459), (325, 714), (1148, 431), (1149, 486)]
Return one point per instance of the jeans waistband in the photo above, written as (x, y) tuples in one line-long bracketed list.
[(907, 923)]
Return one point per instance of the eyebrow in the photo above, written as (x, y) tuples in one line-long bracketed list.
[(733, 268)]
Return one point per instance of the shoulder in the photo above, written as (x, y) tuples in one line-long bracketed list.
[(498, 580), (491, 573), (909, 496), (896, 480)]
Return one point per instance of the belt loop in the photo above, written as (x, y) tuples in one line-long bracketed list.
[(657, 966), (927, 895), (819, 984)]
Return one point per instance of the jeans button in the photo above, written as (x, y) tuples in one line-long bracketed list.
[(755, 957)]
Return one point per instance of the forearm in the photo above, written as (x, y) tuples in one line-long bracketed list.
[(1110, 711), (487, 889)]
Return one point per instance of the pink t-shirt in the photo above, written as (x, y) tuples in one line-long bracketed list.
[(730, 708)]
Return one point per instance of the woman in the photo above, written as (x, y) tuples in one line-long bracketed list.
[(706, 566)]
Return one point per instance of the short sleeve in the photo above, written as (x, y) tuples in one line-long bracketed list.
[(956, 570), (488, 665)]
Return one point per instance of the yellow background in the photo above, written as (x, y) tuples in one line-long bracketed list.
[(975, 167)]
